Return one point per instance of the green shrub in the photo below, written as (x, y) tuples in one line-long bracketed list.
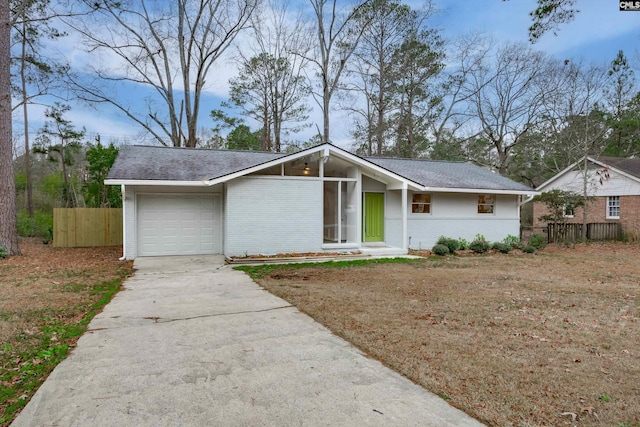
[(529, 249), (464, 244), (513, 241), (3, 252), (440, 250), (538, 242), (479, 246), (480, 237), (501, 247), (450, 243), (41, 225)]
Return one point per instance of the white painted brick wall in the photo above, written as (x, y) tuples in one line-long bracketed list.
[(455, 215), (273, 215), (425, 233)]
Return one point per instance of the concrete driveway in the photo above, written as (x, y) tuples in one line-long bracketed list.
[(190, 342)]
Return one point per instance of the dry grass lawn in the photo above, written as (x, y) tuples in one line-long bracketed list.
[(47, 297), (513, 340)]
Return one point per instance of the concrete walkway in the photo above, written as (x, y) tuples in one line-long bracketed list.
[(190, 342)]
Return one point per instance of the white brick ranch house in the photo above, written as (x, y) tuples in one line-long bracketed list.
[(180, 201)]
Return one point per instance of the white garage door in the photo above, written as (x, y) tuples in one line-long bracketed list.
[(178, 225)]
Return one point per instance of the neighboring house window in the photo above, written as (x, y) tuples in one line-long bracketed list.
[(613, 207), (486, 203), (569, 211), (421, 203)]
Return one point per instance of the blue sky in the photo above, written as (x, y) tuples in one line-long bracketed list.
[(599, 31)]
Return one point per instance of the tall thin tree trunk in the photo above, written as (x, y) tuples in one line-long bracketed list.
[(27, 149), (8, 230), (585, 190), (325, 111), (65, 178)]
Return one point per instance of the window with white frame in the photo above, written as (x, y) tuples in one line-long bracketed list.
[(486, 203), (568, 211), (613, 207), (421, 203)]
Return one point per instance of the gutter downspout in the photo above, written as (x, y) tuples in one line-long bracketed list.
[(525, 201), (124, 226)]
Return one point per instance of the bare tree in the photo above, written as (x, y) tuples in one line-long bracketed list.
[(272, 87), (467, 56), (8, 226), (167, 47), (339, 31), (508, 97), (576, 125)]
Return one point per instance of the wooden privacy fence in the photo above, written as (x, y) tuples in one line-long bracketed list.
[(84, 227), (572, 232)]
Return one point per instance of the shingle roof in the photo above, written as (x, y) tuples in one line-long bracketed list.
[(431, 173), (137, 162), (630, 166)]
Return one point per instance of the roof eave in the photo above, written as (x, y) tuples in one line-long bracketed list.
[(325, 148), (482, 191), (155, 182), (592, 160), (613, 168), (558, 175)]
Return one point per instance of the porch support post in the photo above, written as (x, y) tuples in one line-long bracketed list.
[(405, 232), (359, 205)]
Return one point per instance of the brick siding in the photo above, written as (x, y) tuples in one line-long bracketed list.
[(597, 212)]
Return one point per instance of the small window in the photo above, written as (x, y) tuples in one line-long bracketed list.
[(569, 210), (486, 203), (613, 207), (421, 203)]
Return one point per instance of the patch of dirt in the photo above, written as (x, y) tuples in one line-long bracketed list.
[(42, 288), (46, 277), (549, 339)]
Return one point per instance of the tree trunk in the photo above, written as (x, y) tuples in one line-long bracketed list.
[(63, 166), (326, 99), (25, 113), (585, 195), (265, 143), (8, 230)]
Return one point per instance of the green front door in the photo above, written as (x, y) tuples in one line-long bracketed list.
[(373, 221)]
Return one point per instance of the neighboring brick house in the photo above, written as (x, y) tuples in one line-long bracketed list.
[(614, 184)]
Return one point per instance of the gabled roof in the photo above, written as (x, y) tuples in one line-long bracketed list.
[(448, 175), (629, 167), (148, 163), (169, 166), (623, 164)]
